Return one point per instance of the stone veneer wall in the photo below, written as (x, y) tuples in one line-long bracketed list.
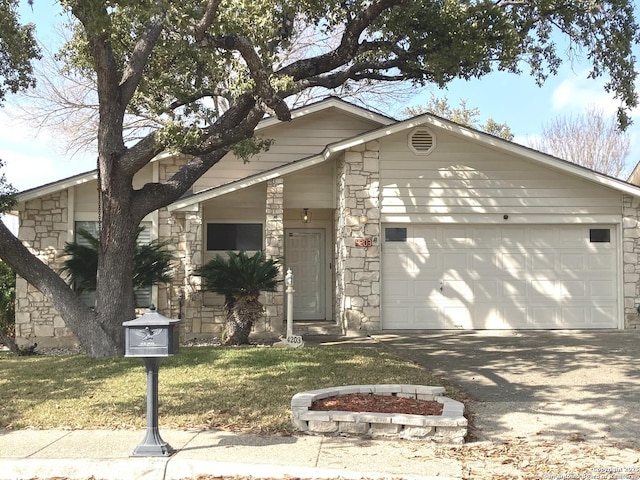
[(183, 298), (274, 248), (631, 260), (358, 268), (44, 230)]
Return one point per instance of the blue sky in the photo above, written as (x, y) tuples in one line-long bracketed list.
[(35, 157)]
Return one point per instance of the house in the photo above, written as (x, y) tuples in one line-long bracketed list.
[(413, 224)]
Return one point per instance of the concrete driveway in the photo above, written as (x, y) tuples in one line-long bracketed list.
[(551, 385)]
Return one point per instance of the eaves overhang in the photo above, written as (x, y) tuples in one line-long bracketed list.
[(426, 119)]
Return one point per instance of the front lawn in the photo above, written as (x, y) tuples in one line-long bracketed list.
[(241, 389)]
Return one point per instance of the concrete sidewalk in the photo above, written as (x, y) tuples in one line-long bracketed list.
[(106, 454)]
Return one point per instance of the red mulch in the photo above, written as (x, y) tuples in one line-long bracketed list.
[(366, 402)]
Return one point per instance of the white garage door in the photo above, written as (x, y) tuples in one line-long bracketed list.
[(499, 277)]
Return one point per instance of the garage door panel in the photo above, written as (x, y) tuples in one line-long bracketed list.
[(601, 289), (457, 289), (543, 261), (454, 261), (515, 316), (487, 289), (492, 277), (602, 262), (398, 289), (545, 317), (514, 288), (513, 262), (574, 262), (398, 317), (573, 289), (457, 317), (542, 289), (600, 317), (489, 317)]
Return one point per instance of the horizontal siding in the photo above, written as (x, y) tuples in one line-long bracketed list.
[(86, 194), (302, 137), (311, 188), (246, 204), (462, 178)]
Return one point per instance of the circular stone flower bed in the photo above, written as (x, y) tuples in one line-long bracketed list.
[(449, 426)]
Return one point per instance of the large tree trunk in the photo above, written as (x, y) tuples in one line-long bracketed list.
[(115, 299)]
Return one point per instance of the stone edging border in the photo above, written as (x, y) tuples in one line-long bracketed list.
[(450, 427)]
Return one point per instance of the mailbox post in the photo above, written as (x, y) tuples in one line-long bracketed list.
[(152, 337)]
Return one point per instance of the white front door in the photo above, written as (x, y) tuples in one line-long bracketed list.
[(304, 255)]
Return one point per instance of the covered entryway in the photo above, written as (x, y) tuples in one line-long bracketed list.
[(499, 277)]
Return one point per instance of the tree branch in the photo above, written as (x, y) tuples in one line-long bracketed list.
[(344, 52), (206, 20), (144, 46), (273, 104)]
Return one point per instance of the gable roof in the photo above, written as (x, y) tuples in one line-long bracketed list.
[(428, 120), (325, 104), (389, 126)]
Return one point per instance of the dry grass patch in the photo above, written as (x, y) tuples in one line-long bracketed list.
[(241, 389)]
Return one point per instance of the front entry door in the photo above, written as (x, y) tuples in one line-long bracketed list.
[(304, 255)]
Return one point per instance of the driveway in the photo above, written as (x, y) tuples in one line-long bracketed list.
[(551, 385)]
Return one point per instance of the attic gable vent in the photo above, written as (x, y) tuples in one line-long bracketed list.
[(422, 141)]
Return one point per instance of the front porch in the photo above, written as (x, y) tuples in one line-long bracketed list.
[(333, 252)]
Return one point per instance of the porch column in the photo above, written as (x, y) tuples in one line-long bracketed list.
[(357, 240), (631, 261), (274, 248)]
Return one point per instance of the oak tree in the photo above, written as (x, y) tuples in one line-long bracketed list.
[(174, 62)]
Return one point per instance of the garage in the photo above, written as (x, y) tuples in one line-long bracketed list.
[(499, 276)]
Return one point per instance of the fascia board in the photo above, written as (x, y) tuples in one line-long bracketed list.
[(56, 186), (326, 104)]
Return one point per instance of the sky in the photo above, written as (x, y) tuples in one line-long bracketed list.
[(35, 157)]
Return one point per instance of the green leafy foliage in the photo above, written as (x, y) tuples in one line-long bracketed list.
[(251, 146), (151, 263), (7, 192), (81, 264), (240, 278), (239, 274), (423, 41), (7, 299), (17, 49)]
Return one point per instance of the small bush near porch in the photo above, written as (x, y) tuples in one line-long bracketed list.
[(239, 389)]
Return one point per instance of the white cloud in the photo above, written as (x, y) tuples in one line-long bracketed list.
[(31, 156), (576, 93)]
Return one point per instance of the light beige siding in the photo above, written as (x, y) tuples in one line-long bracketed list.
[(300, 138), (462, 180), (86, 194), (311, 188)]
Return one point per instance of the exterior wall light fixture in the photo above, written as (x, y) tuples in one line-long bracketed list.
[(305, 216)]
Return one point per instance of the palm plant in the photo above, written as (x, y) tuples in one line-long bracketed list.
[(151, 263), (240, 278)]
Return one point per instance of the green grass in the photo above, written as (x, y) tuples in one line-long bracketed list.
[(240, 389)]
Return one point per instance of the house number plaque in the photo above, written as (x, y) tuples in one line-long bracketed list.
[(363, 242)]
